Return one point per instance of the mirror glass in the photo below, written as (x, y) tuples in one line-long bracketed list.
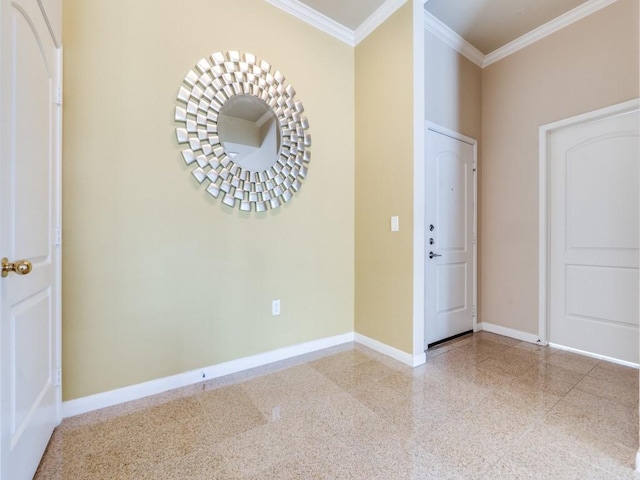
[(249, 132)]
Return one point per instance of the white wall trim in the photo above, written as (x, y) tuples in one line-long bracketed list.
[(595, 355), (638, 461), (335, 29), (58, 250), (90, 403), (547, 29), (455, 41), (419, 184), (450, 133), (508, 332), (377, 18), (78, 406), (544, 204), (316, 19), (451, 38), (389, 351), (435, 26), (599, 114)]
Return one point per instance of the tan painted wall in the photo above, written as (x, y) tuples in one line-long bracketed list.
[(588, 65), (384, 182), (453, 88), (159, 278)]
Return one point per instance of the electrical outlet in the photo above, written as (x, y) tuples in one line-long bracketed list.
[(275, 307)]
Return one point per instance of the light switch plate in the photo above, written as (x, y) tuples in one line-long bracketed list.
[(395, 225)]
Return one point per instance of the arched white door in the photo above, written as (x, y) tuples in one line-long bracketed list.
[(594, 236), (29, 226)]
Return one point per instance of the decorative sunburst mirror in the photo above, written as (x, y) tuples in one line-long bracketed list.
[(243, 131)]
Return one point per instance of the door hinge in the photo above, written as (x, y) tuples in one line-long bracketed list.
[(58, 237), (58, 96), (475, 238), (473, 311), (58, 379)]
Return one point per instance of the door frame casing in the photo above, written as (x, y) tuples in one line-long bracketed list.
[(57, 188), (544, 213), (434, 127)]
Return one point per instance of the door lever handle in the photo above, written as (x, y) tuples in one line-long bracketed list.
[(434, 255)]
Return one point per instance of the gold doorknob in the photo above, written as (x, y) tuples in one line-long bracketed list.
[(21, 267)]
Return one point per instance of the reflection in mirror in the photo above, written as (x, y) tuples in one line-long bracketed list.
[(249, 132)]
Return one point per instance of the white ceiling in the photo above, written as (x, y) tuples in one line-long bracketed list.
[(350, 13), (491, 24), (485, 24)]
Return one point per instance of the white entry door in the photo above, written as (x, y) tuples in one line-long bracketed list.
[(450, 182), (29, 220), (594, 217)]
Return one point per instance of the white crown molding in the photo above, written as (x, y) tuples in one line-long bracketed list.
[(547, 29), (435, 26), (316, 19), (451, 38), (377, 18), (455, 41)]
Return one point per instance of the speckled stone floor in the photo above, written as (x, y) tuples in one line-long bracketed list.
[(483, 407)]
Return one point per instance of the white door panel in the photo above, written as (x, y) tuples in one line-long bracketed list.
[(587, 286), (450, 210), (451, 300), (594, 237), (452, 172), (598, 194), (29, 216)]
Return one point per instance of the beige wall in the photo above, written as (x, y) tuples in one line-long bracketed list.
[(159, 278), (453, 88), (588, 65), (384, 182)]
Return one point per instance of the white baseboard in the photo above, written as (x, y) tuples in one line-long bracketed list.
[(509, 332), (78, 406), (594, 355), (90, 403), (389, 351)]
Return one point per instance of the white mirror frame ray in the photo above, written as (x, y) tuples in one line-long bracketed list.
[(200, 99)]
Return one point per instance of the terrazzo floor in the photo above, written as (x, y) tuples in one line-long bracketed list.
[(483, 407)]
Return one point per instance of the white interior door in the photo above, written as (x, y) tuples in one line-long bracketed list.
[(450, 164), (29, 220), (593, 238)]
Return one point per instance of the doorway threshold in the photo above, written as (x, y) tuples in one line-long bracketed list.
[(448, 339)]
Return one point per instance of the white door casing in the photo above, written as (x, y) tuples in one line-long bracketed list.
[(30, 119), (451, 197), (589, 300)]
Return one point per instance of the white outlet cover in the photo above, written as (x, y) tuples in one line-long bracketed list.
[(275, 307)]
